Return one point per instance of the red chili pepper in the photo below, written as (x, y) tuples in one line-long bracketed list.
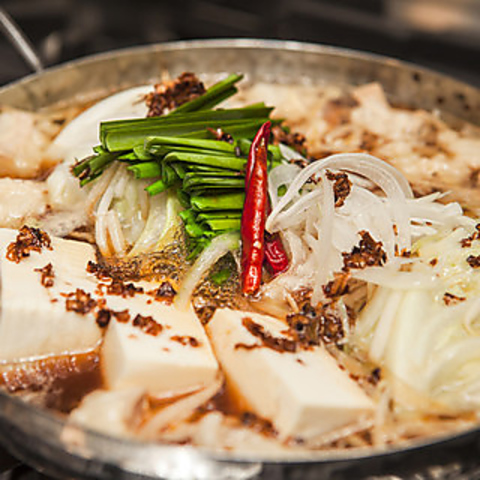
[(263, 134), (275, 255), (255, 213)]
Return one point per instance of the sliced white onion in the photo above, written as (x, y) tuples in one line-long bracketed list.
[(384, 326), (178, 411), (282, 175), (296, 214), (324, 229), (390, 180), (392, 278), (107, 198), (472, 317), (99, 187), (101, 238), (154, 225), (452, 358), (115, 231)]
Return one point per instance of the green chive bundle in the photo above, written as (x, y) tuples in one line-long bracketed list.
[(180, 150)]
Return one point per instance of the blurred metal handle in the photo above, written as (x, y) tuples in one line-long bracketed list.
[(20, 41)]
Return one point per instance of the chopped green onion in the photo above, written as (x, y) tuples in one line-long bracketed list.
[(145, 170), (158, 187), (224, 224), (229, 162), (190, 142), (194, 181), (229, 201)]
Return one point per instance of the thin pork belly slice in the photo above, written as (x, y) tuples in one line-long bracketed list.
[(303, 392), (156, 346), (21, 200), (24, 141), (35, 319)]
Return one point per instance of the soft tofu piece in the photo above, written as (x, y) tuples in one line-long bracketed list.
[(33, 320), (304, 394), (159, 363)]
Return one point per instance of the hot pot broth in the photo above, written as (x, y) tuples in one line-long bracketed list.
[(367, 260)]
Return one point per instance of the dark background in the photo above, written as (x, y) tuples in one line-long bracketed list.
[(442, 34)]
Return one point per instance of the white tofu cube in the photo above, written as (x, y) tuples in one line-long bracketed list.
[(34, 321), (178, 358), (303, 393)]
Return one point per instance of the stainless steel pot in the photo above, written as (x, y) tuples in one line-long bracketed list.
[(46, 441)]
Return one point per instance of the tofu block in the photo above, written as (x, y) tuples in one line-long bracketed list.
[(34, 322), (304, 393), (176, 359)]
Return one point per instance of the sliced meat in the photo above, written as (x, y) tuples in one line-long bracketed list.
[(21, 200), (24, 140)]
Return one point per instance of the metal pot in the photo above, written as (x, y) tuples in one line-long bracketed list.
[(47, 442)]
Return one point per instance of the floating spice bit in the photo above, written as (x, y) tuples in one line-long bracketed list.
[(147, 325), (467, 242), (338, 286), (341, 187), (103, 317), (451, 299), (246, 346), (28, 240), (47, 275), (185, 340), (368, 253), (474, 261), (258, 424), (313, 325), (123, 316), (165, 292), (303, 329), (80, 302), (117, 287), (278, 344), (375, 376), (294, 140), (168, 96), (98, 270)]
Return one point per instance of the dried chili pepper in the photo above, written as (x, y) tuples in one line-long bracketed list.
[(275, 257), (261, 138), (255, 212)]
